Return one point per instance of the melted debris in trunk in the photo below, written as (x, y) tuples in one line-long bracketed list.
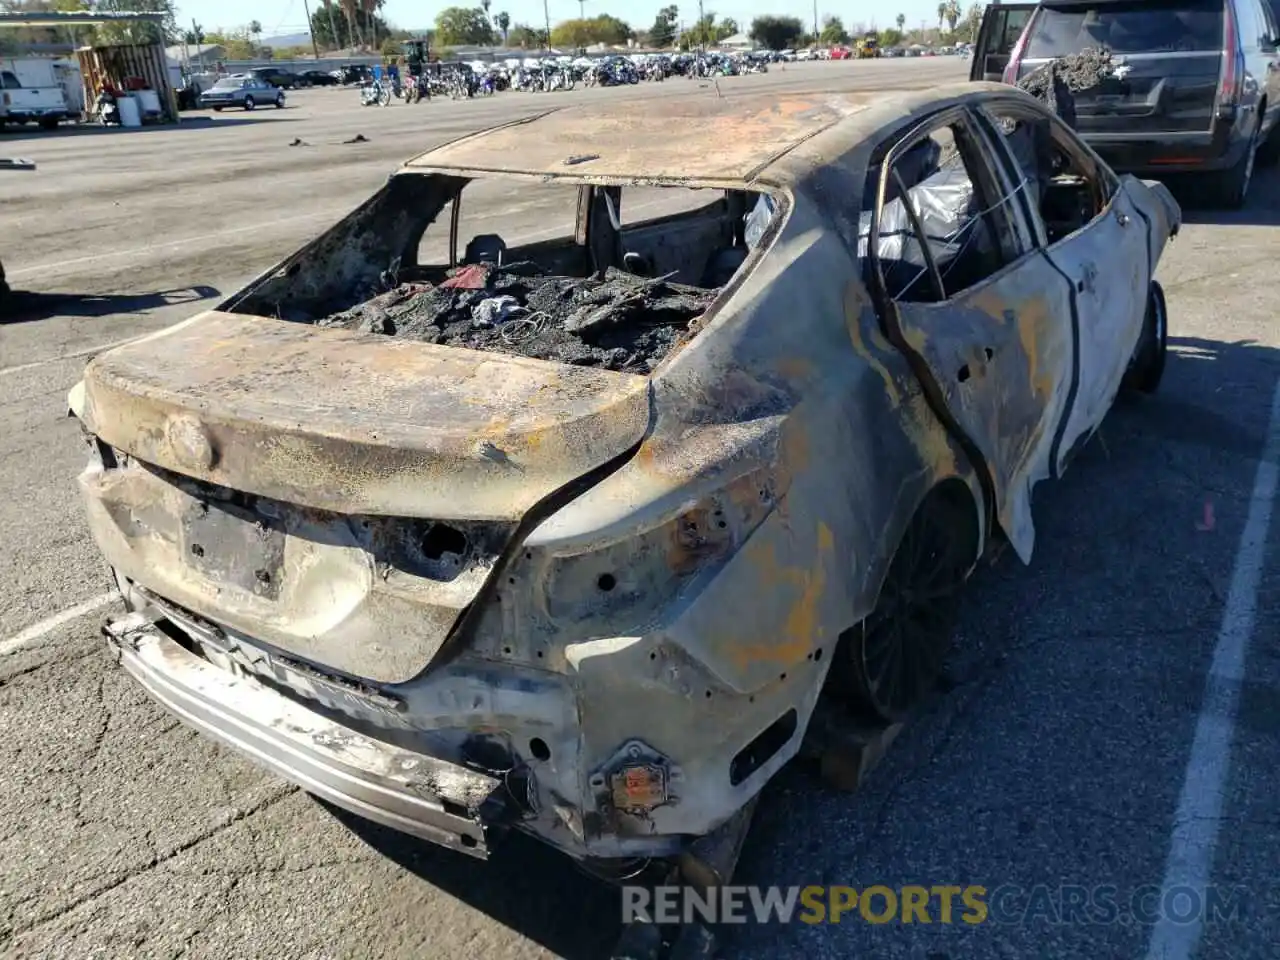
[(621, 322), (1055, 82)]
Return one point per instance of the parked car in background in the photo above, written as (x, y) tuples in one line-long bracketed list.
[(351, 74), (247, 92), (30, 93), (841, 53), (284, 79), (1195, 87), (317, 78)]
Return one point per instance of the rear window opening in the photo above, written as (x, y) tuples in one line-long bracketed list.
[(602, 276), (1148, 26)]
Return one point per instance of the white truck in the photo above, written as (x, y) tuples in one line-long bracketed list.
[(31, 92)]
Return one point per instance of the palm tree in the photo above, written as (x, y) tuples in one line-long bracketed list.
[(353, 25), (255, 32), (370, 9), (484, 5), (503, 20), (953, 14), (942, 14), (901, 20)]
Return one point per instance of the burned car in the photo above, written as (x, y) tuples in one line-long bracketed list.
[(568, 536)]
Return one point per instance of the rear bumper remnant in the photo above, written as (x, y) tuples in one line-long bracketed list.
[(407, 791)]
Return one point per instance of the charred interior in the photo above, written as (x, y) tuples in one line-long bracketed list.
[(614, 294)]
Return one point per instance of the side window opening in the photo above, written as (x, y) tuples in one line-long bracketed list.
[(1058, 187), (9, 81), (944, 225)]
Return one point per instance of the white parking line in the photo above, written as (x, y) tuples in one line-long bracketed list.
[(74, 355), (167, 245), (37, 631), (1195, 828)]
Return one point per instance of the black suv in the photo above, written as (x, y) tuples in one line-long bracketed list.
[(1196, 87), (276, 77)]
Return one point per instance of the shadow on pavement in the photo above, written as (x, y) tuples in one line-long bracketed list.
[(21, 306), (1054, 750), (1262, 209), (524, 886), (1055, 757)]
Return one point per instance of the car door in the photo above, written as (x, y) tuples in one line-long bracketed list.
[(989, 331), (1106, 253), (1002, 25)]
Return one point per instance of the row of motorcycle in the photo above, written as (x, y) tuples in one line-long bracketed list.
[(457, 84), (461, 81)]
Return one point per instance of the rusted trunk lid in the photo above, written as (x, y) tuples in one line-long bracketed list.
[(359, 423)]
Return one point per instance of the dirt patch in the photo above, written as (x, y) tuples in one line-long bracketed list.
[(620, 322)]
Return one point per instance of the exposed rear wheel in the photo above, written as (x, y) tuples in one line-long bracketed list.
[(887, 664), (249, 103), (1147, 366)]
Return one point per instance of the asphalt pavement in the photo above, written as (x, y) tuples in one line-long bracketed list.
[(1111, 702)]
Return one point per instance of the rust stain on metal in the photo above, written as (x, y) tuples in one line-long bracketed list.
[(856, 305), (1032, 321), (802, 627), (929, 437)]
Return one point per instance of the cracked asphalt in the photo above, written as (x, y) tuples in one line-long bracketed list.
[(1053, 762)]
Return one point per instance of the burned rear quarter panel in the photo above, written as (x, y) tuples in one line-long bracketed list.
[(793, 409)]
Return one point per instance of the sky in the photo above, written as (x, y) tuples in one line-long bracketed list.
[(285, 17)]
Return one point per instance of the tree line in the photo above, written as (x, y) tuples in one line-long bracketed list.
[(360, 24), (477, 27)]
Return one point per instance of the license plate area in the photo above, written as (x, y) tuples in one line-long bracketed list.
[(230, 545)]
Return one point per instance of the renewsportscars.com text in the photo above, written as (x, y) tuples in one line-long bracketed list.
[(936, 904)]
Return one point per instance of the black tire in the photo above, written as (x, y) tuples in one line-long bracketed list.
[(1147, 367), (217, 109), (280, 102), (1269, 149), (887, 664), (250, 103), (48, 123), (1231, 186)]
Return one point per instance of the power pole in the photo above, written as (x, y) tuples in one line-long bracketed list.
[(702, 28), (315, 50), (546, 16)]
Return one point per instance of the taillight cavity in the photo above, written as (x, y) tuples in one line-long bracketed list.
[(1232, 61)]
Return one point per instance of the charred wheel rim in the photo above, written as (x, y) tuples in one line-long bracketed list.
[(898, 652)]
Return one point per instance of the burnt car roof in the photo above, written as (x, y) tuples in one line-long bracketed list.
[(732, 139), (697, 138)]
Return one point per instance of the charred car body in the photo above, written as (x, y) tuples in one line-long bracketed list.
[(595, 595)]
